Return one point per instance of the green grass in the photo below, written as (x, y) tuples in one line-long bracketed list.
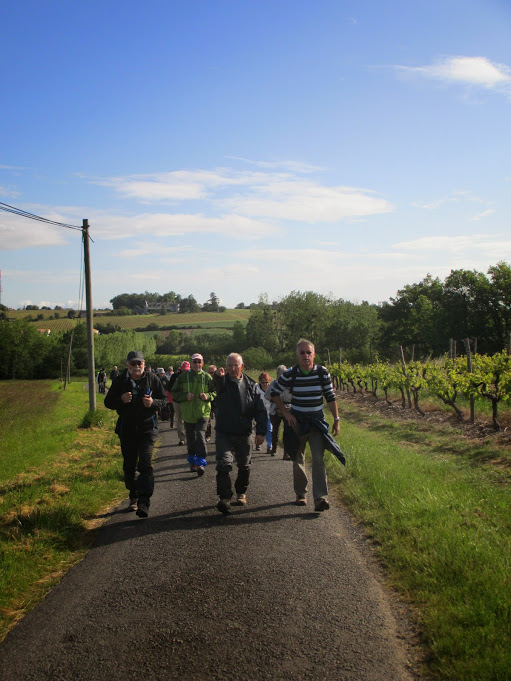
[(54, 478), (187, 320), (440, 522)]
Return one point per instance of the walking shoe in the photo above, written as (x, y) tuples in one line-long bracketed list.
[(181, 442), (193, 469), (132, 504), (321, 505), (268, 451), (258, 448), (224, 506), (286, 457), (200, 471), (241, 500), (272, 452), (208, 439), (142, 509), (301, 501)]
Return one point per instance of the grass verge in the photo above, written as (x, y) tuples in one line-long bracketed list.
[(55, 478), (439, 518)]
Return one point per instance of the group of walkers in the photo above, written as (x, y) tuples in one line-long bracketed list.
[(238, 406)]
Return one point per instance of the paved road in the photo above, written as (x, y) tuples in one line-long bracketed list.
[(272, 592)]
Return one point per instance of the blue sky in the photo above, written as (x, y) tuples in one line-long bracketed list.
[(252, 147)]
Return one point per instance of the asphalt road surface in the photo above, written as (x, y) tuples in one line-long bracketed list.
[(272, 592)]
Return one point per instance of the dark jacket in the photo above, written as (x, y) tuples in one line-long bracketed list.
[(304, 423), (134, 417), (231, 418)]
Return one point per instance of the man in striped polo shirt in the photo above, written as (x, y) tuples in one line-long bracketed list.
[(308, 383)]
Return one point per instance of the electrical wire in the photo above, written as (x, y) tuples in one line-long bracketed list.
[(25, 214)]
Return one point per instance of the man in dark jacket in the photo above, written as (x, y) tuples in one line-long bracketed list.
[(137, 395), (238, 403)]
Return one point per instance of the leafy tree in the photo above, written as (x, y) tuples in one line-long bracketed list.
[(189, 304)]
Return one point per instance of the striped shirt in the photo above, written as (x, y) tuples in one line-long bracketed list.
[(307, 390)]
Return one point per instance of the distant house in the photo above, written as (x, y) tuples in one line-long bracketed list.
[(158, 307), (45, 331)]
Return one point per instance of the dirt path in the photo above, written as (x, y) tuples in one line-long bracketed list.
[(272, 593)]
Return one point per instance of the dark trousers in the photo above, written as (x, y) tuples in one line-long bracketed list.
[(228, 449), (196, 438), (276, 420), (137, 452)]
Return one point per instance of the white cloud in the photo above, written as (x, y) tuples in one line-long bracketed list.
[(17, 233), (283, 196), (483, 214), (491, 245), (308, 202), (477, 71), (168, 224)]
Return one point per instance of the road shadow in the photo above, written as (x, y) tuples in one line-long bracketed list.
[(198, 518)]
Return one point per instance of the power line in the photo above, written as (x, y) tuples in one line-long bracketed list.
[(25, 214)]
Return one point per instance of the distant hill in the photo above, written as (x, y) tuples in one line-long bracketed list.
[(187, 320)]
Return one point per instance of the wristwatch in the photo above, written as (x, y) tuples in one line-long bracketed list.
[(337, 418)]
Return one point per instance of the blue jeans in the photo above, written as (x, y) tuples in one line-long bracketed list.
[(228, 449), (196, 441)]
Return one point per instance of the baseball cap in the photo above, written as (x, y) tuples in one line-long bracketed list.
[(185, 366), (197, 356), (135, 354)]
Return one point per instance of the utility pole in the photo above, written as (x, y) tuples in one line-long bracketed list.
[(88, 304)]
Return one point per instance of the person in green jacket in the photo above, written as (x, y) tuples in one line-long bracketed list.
[(194, 390)]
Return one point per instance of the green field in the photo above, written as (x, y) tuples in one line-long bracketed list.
[(207, 320)]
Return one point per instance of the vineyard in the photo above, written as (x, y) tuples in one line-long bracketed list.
[(477, 379), (205, 320)]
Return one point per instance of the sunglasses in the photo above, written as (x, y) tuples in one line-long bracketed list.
[(136, 363), (196, 360)]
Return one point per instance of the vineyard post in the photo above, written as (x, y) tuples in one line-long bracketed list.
[(88, 304), (469, 369), (403, 369), (340, 356), (67, 378), (328, 353), (509, 344)]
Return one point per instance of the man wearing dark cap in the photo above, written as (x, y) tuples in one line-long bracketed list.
[(137, 395)]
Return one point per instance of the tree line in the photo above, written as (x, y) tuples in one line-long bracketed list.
[(423, 318)]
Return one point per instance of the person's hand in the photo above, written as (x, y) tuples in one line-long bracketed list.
[(290, 418), (336, 427), (204, 397), (147, 401), (190, 397), (126, 398), (259, 439)]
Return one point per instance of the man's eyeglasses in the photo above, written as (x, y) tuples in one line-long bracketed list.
[(136, 363)]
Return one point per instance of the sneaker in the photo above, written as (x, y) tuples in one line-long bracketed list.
[(321, 505), (181, 442), (142, 509), (301, 501), (193, 469), (286, 457), (241, 500), (272, 452), (132, 504), (258, 448), (200, 471), (268, 451), (224, 506), (208, 439)]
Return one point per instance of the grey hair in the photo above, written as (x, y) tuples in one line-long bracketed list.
[(304, 341), (280, 369), (233, 355)]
